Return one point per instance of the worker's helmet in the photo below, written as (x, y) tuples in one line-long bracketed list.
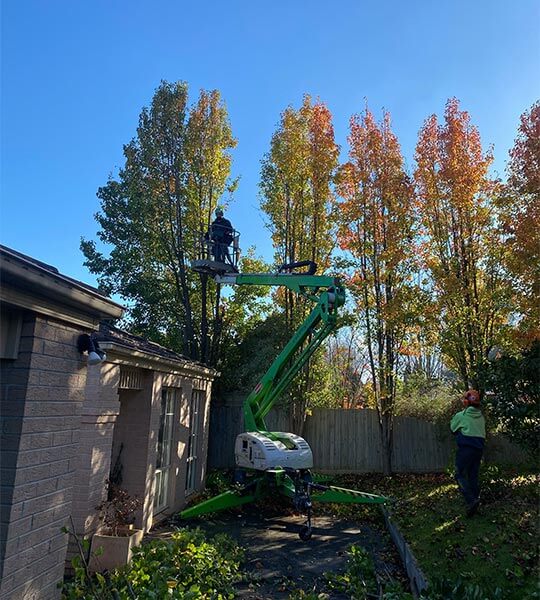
[(219, 212), (472, 398)]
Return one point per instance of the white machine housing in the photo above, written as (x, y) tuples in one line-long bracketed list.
[(254, 450)]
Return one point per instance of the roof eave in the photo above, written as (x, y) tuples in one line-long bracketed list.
[(137, 358)]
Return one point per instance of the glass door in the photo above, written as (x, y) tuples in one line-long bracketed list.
[(164, 449), (196, 404)]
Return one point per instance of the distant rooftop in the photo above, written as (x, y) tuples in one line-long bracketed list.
[(109, 333)]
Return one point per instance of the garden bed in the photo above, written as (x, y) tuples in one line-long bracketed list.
[(490, 556)]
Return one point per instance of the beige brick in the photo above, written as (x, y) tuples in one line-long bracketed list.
[(20, 527), (40, 425), (60, 378), (60, 540), (40, 519), (62, 511), (11, 547), (60, 349), (62, 438), (50, 501), (61, 366), (47, 486), (34, 474), (16, 511), (33, 441), (22, 493), (53, 409), (62, 467), (42, 535)]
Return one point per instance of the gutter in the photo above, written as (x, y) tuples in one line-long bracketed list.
[(21, 274)]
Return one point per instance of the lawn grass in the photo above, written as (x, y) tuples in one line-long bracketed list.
[(497, 548)]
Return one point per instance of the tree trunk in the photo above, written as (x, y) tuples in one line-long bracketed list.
[(386, 431), (204, 319)]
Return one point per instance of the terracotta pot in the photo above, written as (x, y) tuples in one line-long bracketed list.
[(117, 549)]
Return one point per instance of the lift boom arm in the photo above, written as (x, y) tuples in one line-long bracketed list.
[(292, 478), (328, 295)]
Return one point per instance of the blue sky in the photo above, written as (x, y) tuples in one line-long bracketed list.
[(75, 75)]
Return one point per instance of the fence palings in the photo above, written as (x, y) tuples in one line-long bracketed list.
[(348, 440)]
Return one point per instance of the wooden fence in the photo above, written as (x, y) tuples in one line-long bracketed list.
[(347, 441), (342, 441)]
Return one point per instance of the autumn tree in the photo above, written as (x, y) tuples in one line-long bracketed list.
[(460, 246), (519, 205), (376, 229), (296, 180), (295, 185), (176, 170)]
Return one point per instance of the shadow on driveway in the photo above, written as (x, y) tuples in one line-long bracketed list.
[(278, 561)]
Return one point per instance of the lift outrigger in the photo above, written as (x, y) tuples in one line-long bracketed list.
[(276, 462)]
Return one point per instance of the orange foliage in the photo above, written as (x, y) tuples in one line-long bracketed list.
[(460, 243), (520, 220)]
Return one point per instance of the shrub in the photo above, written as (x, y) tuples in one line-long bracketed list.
[(117, 513), (514, 401), (447, 589), (185, 566), (425, 398)]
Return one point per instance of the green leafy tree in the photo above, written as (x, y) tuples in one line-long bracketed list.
[(176, 170), (245, 320), (514, 401), (348, 367)]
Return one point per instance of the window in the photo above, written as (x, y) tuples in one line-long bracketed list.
[(165, 446), (195, 408)]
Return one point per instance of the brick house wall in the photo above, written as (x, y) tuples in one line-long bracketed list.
[(97, 422), (135, 433), (120, 424), (137, 426), (43, 381), (63, 419), (41, 427)]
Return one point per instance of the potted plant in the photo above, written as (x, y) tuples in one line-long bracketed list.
[(112, 544)]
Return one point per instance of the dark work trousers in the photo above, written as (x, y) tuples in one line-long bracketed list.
[(221, 251), (467, 468)]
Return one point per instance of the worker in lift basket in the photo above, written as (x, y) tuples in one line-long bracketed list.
[(221, 233), (469, 428)]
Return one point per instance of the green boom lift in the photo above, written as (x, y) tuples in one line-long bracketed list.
[(270, 462)]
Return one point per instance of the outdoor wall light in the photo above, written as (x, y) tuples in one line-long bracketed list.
[(87, 343)]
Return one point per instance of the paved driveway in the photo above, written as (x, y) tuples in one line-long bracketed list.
[(278, 560)]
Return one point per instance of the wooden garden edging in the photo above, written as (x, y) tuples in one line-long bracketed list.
[(417, 579)]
